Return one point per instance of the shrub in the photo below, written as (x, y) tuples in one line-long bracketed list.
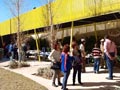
[(45, 72), (23, 64), (15, 64)]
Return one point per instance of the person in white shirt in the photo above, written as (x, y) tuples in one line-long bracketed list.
[(102, 61), (54, 56), (83, 53)]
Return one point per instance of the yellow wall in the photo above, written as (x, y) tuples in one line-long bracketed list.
[(63, 11)]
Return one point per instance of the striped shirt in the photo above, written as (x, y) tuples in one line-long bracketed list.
[(96, 52)]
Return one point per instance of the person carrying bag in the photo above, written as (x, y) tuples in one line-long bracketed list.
[(110, 51), (77, 63), (55, 66), (54, 56)]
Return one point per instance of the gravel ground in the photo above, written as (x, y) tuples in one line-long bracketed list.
[(13, 81)]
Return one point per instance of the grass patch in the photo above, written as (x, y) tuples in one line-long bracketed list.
[(12, 81)]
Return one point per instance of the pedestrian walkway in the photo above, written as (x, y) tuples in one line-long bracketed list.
[(91, 80)]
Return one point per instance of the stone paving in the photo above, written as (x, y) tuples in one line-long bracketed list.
[(91, 80)]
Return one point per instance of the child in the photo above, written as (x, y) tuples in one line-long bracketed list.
[(96, 52)]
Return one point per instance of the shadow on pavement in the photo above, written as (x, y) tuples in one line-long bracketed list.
[(100, 72), (115, 70), (90, 84), (101, 88), (101, 84)]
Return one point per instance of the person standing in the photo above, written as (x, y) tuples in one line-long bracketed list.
[(55, 57), (110, 51), (15, 48), (66, 65), (102, 61), (76, 63), (83, 53), (4, 48), (96, 53), (10, 50)]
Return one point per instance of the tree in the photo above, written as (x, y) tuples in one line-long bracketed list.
[(48, 16), (15, 7)]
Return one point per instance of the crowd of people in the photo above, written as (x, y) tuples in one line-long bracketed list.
[(67, 59), (11, 50)]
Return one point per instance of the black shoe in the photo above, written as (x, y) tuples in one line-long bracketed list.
[(83, 71), (73, 83), (66, 88), (105, 68), (59, 83), (109, 78), (81, 83), (97, 72), (54, 85)]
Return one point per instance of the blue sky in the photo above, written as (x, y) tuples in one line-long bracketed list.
[(28, 5)]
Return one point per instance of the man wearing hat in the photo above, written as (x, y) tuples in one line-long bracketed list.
[(83, 53), (103, 62)]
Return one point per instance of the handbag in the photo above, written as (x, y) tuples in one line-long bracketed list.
[(77, 61), (55, 66)]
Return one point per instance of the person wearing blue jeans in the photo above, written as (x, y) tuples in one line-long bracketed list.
[(96, 65), (65, 78), (66, 65), (110, 51), (110, 66), (10, 51), (96, 52)]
